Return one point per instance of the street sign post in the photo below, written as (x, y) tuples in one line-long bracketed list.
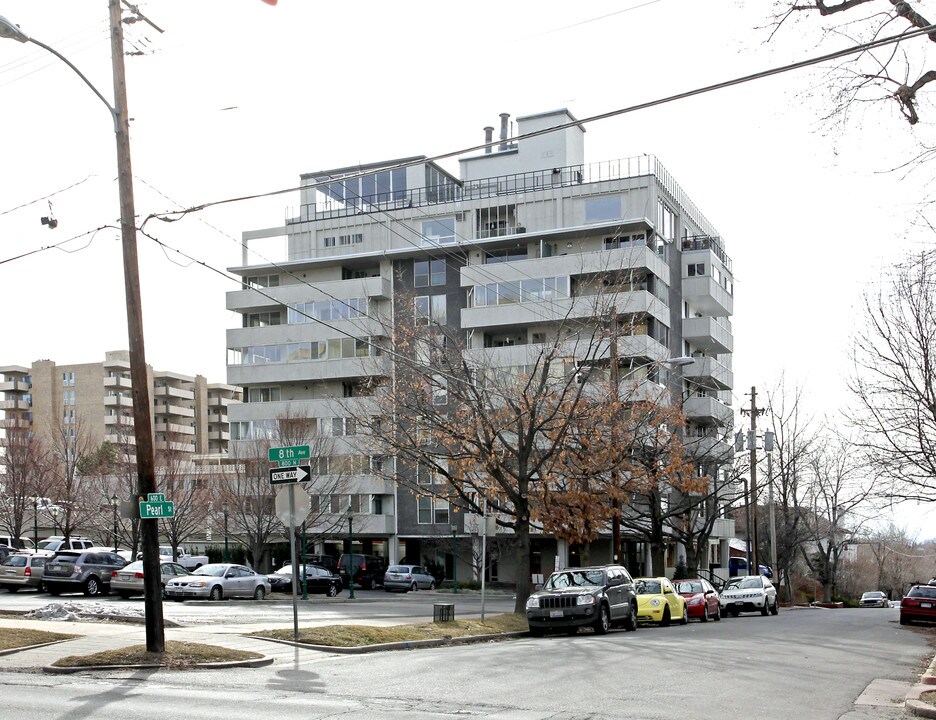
[(288, 456), (156, 507), (285, 475)]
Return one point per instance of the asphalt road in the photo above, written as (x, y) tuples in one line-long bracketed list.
[(804, 663)]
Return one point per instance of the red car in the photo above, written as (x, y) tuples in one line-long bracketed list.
[(918, 604), (701, 598)]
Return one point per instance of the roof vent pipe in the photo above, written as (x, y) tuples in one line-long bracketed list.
[(503, 132), (488, 137)]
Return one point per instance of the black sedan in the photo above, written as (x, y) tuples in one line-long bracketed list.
[(319, 581)]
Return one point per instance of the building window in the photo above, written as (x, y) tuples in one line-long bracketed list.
[(601, 209), (261, 281), (439, 389), (696, 269), (263, 394), (430, 309), (438, 232), (533, 290), (428, 272), (432, 511), (329, 242), (262, 319), (666, 221)]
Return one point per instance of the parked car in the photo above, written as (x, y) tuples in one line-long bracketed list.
[(6, 551), (751, 593), (324, 561), (186, 560), (701, 598), (217, 581), (81, 571), (22, 570), (319, 580), (20, 543), (367, 570), (408, 577), (918, 604), (55, 543), (658, 601), (128, 580), (598, 597), (874, 598)]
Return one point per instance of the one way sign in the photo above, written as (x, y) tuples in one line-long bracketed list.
[(284, 476)]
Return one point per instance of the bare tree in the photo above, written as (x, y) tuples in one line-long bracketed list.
[(894, 381), (890, 74), (190, 491), (839, 492), (80, 500), (24, 477)]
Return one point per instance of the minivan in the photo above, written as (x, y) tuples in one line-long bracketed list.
[(368, 570)]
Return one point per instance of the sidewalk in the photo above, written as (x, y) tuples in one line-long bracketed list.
[(927, 683)]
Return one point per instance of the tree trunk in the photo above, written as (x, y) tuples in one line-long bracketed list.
[(658, 558), (522, 531)]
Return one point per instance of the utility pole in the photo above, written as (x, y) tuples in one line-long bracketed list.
[(752, 448), (142, 426), (615, 501)]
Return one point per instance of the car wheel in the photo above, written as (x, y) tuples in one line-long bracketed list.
[(11, 588), (333, 591), (125, 595), (630, 623), (775, 608), (178, 599), (216, 593), (259, 592), (367, 584), (765, 611), (717, 613), (414, 587), (92, 587), (54, 590), (537, 632), (904, 621), (735, 613), (432, 584), (41, 588), (705, 616), (603, 623), (666, 617), (685, 615)]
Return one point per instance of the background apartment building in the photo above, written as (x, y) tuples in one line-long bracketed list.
[(526, 235)]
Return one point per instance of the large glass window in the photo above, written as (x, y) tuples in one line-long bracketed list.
[(438, 232), (666, 221), (335, 349), (532, 290), (430, 309), (428, 272), (602, 209), (432, 511)]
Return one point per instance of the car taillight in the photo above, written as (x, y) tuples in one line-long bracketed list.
[(363, 566), (27, 572), (138, 576), (409, 577)]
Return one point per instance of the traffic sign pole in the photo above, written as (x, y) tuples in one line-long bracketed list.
[(292, 560)]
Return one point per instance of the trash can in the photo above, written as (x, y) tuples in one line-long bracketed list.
[(443, 612)]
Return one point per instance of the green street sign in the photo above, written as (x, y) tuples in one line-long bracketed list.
[(289, 456), (156, 507)]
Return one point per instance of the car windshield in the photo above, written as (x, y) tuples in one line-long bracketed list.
[(648, 587), (689, 587), (744, 583), (574, 578), (49, 544), (872, 595), (285, 570), (212, 570)]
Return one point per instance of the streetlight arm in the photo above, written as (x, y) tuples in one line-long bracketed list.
[(11, 31)]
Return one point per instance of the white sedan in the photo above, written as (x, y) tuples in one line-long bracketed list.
[(217, 581)]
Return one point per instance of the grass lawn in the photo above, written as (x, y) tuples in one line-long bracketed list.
[(360, 635), (177, 655), (11, 638)]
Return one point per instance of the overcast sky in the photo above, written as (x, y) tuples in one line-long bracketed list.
[(238, 98)]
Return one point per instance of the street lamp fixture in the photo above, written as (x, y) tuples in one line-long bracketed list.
[(454, 559), (350, 516), (115, 503), (224, 511)]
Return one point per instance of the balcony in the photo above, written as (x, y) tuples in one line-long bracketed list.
[(708, 372), (119, 421), (118, 401), (708, 296), (162, 427), (118, 382), (709, 448), (14, 404), (243, 301), (708, 334), (285, 372), (167, 391), (170, 446), (708, 411), (364, 524), (219, 435), (723, 528), (15, 386)]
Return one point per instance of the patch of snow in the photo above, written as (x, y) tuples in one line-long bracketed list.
[(93, 612)]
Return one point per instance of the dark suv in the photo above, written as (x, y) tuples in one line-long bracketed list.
[(368, 570), (599, 597), (81, 571)]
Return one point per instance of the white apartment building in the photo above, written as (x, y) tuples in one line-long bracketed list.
[(526, 234)]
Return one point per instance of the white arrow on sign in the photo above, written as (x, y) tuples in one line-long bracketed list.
[(281, 476)]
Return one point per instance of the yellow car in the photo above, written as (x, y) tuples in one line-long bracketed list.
[(658, 601)]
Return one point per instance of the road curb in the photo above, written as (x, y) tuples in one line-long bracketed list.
[(13, 651), (69, 669), (405, 645)]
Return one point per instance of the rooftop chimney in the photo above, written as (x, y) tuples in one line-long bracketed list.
[(488, 137), (503, 132)]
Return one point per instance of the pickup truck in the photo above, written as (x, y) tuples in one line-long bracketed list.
[(191, 562)]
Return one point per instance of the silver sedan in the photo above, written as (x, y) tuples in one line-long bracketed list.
[(129, 579), (217, 581)]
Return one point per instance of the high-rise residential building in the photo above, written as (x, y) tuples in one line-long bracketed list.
[(94, 402), (526, 233)]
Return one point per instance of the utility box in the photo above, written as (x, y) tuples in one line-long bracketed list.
[(443, 612)]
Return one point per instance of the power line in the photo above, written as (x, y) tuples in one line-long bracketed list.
[(760, 75)]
